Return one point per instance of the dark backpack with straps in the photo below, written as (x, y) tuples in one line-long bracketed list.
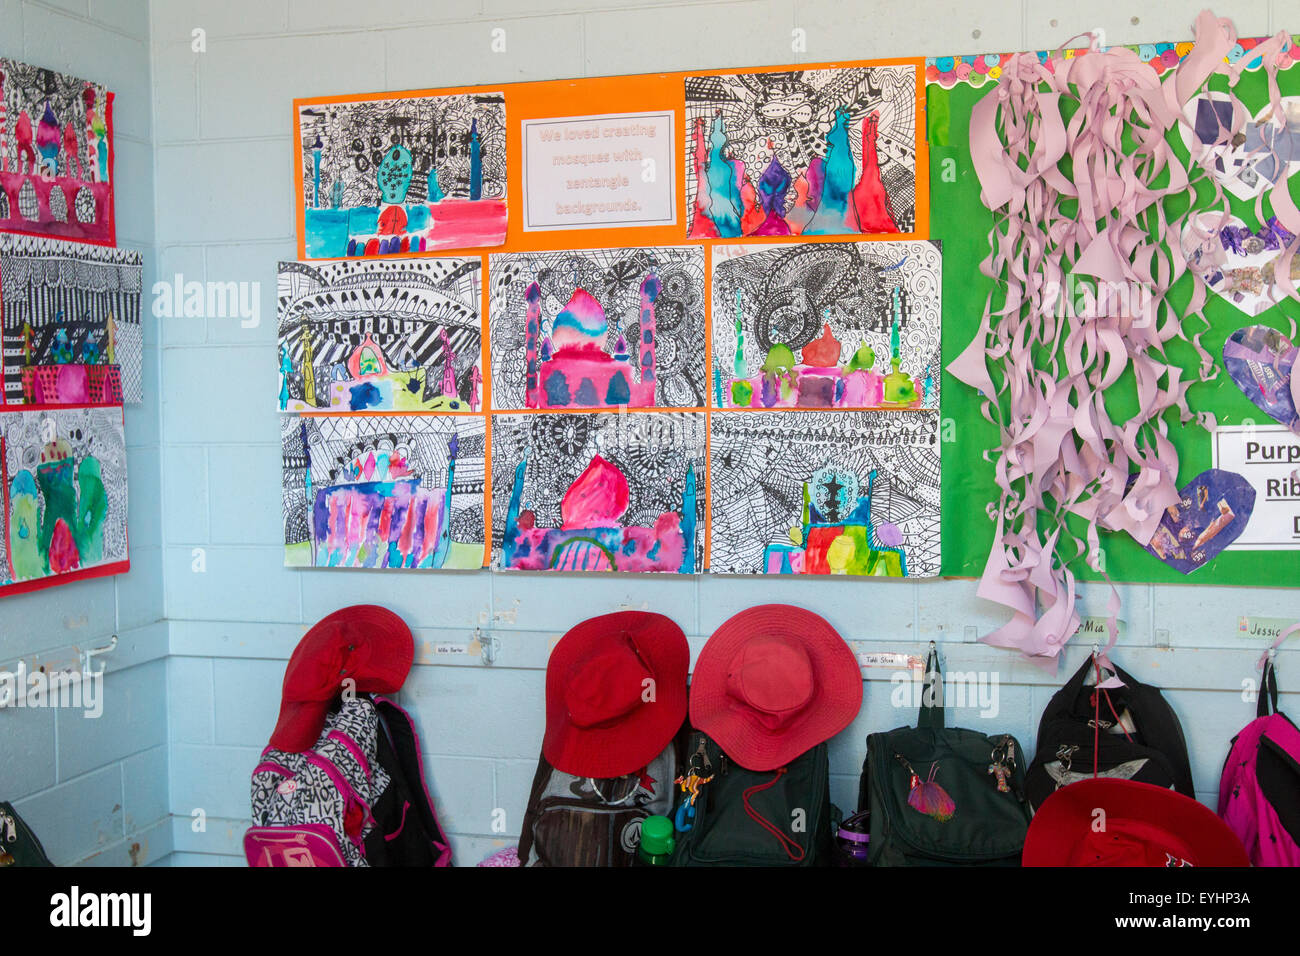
[(942, 796), (745, 817), (1127, 732)]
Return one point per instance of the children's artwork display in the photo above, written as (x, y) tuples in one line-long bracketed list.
[(598, 491), (827, 325), (69, 323), (400, 174), (65, 496), (381, 335), (56, 155), (809, 152), (824, 492), (384, 491), (598, 328)]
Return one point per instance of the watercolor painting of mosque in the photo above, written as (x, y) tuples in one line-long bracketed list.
[(827, 326), (381, 335), (380, 492), (56, 155), (401, 175), (571, 367), (802, 153)]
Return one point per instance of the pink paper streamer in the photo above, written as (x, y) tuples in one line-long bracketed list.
[(1060, 452)]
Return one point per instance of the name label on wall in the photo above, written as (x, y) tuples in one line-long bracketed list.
[(1262, 628), (596, 172), (1265, 455)]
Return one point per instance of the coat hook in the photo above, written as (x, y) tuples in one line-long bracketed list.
[(91, 653)]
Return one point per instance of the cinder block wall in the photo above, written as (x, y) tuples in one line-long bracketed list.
[(96, 789), (223, 125)]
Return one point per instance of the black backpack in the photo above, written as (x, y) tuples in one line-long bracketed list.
[(1127, 732), (985, 816), (743, 817), (407, 832), (590, 821)]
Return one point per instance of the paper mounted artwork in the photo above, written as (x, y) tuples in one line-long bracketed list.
[(381, 335), (598, 328), (383, 176), (827, 325), (1261, 361), (598, 491), (384, 491), (1248, 165), (1212, 511), (56, 155), (65, 496), (802, 152), (69, 323), (825, 492)]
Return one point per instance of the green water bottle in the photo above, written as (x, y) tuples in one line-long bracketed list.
[(656, 847)]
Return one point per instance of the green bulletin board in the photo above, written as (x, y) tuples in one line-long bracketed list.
[(962, 224)]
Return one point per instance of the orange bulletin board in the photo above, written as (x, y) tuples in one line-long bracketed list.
[(645, 93)]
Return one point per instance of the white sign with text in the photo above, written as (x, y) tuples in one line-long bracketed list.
[(1265, 455), (596, 172)]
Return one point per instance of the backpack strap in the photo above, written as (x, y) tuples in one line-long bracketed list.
[(931, 715), (1267, 697)]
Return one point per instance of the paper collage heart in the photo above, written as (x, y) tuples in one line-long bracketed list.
[(1239, 264), (1247, 166), (1260, 359), (1212, 513)]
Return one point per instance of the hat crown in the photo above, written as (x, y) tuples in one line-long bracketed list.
[(330, 656), (605, 687), (772, 675)]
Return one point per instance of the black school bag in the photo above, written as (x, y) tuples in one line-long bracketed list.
[(985, 818), (1127, 732), (772, 818)]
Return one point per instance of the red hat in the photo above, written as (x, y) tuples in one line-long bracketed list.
[(366, 643), (1142, 825), (599, 722), (773, 682)]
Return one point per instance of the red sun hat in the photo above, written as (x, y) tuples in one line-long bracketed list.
[(366, 643), (599, 722), (773, 682), (1144, 825)]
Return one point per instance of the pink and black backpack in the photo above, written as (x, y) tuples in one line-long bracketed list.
[(1261, 780), (357, 798)]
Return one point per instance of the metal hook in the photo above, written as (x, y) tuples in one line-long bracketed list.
[(88, 655)]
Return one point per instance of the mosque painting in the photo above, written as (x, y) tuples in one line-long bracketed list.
[(64, 495), (827, 493), (802, 152), (69, 323), (381, 335), (587, 492), (398, 492), (56, 155), (598, 329), (852, 325), (401, 175)]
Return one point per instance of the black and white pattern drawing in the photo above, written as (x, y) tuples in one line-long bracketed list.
[(786, 294), (613, 277), (379, 334), (761, 461), (82, 305)]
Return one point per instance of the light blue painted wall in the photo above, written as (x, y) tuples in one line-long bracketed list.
[(96, 789), (225, 213)]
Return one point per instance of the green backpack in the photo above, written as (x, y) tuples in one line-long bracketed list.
[(944, 796), (743, 817)]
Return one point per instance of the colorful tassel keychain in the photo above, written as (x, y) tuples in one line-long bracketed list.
[(927, 796)]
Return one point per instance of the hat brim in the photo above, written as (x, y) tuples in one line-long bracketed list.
[(1069, 813), (738, 730), (390, 653), (637, 739)]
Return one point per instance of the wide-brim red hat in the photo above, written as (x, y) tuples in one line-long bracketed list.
[(1110, 822), (615, 693), (773, 682), (368, 645)]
